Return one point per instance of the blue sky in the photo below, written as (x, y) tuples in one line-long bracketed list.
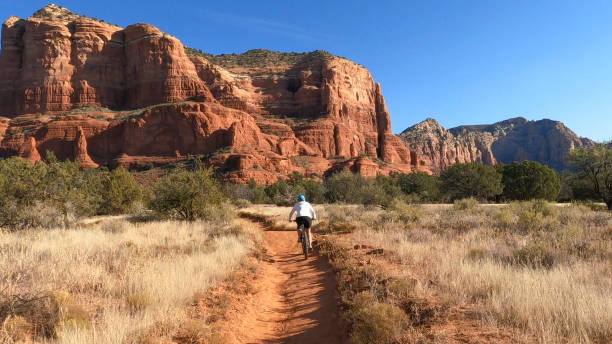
[(461, 62)]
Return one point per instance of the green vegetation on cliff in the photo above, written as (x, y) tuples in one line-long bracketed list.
[(260, 57)]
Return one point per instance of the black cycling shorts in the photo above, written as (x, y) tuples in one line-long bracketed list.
[(303, 220)]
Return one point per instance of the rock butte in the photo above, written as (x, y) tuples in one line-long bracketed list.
[(258, 115), (515, 139)]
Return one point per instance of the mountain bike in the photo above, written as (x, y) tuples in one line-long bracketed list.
[(304, 240)]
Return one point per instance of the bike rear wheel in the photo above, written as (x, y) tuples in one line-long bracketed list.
[(305, 242)]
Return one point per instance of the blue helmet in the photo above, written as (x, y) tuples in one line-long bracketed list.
[(301, 198)]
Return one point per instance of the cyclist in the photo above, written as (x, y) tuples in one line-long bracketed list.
[(304, 215)]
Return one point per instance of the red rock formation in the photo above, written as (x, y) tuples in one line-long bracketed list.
[(80, 150), (256, 115), (28, 151)]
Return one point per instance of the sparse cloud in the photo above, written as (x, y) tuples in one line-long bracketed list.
[(262, 25)]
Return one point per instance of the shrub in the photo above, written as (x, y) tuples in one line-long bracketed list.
[(373, 322), (314, 191), (321, 227), (282, 193), (346, 187), (38, 215), (403, 212), (138, 301), (471, 180), (17, 329), (535, 216), (389, 187), (66, 312), (466, 204), (60, 189), (529, 180), (503, 219), (342, 227), (120, 191), (542, 207), (114, 226), (343, 187), (535, 255), (49, 314), (476, 254), (238, 191), (530, 221), (241, 203), (223, 213), (426, 187), (259, 193), (186, 195)]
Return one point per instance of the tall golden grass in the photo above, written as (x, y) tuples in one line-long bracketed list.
[(542, 268), (120, 278)]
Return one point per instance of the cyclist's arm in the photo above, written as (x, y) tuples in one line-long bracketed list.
[(291, 213), (314, 215)]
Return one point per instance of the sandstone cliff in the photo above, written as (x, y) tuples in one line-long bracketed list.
[(516, 139), (107, 95)]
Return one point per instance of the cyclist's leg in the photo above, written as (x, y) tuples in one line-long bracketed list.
[(299, 222), (308, 224), (309, 232)]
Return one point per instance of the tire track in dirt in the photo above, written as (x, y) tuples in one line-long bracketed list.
[(297, 300)]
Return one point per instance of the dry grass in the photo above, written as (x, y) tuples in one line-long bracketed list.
[(113, 281), (543, 269)]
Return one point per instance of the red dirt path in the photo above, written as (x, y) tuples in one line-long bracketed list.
[(296, 301)]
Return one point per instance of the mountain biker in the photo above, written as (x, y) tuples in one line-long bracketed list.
[(304, 215)]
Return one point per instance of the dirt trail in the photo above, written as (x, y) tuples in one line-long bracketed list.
[(296, 302)]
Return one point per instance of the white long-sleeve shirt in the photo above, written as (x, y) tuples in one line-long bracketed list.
[(303, 208)]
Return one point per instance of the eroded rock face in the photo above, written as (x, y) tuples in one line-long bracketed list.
[(28, 151), (516, 139), (92, 91), (80, 150)]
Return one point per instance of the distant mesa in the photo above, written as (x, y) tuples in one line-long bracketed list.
[(515, 139), (105, 95)]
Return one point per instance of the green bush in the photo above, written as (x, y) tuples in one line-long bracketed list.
[(503, 219), (529, 180), (530, 221), (471, 180), (282, 193), (314, 191), (120, 191), (285, 192), (258, 192), (238, 192), (60, 190), (342, 187), (426, 187), (347, 187), (535, 216), (186, 195)]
